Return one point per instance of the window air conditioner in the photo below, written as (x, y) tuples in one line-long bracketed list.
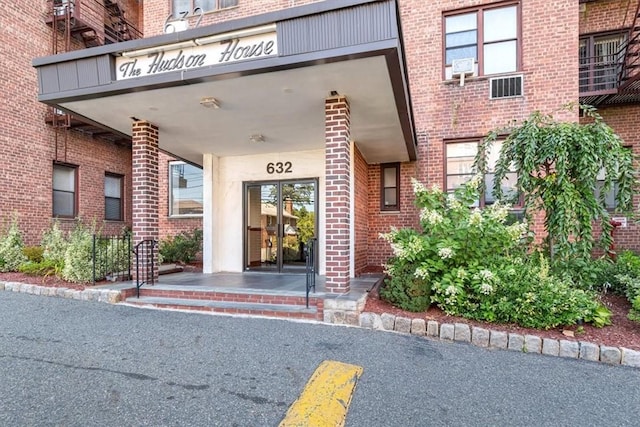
[(462, 67)]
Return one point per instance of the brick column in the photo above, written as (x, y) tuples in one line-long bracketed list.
[(338, 194), (144, 153)]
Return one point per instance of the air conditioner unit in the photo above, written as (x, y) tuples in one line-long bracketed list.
[(176, 26), (505, 87), (462, 67)]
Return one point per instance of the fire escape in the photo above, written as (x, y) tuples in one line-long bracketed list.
[(610, 65), (79, 24)]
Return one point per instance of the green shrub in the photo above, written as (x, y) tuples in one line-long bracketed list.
[(404, 289), (33, 253), (11, 245), (634, 313), (54, 244), (476, 265), (529, 295), (628, 263), (78, 257), (183, 247), (596, 275), (42, 268)]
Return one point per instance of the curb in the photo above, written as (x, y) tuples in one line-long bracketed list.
[(480, 337), (98, 295), (446, 332)]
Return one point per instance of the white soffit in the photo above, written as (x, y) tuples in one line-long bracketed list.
[(286, 107)]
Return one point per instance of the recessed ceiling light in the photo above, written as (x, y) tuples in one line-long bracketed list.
[(210, 102), (256, 138)]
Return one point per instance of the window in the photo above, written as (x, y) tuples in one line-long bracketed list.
[(186, 7), (600, 61), (113, 185), (64, 191), (459, 169), (488, 35), (610, 202), (390, 187), (185, 189)]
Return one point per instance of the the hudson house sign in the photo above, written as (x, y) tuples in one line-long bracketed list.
[(203, 52)]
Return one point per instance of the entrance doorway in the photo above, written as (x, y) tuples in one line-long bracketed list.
[(280, 219)]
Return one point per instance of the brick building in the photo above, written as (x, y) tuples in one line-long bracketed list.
[(331, 105)]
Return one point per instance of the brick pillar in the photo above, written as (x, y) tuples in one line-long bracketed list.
[(338, 189), (144, 153)]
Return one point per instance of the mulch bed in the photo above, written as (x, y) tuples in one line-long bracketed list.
[(622, 333)]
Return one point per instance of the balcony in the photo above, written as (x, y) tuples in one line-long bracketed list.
[(609, 71), (59, 119), (87, 23), (91, 22)]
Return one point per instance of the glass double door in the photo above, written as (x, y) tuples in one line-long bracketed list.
[(280, 219)]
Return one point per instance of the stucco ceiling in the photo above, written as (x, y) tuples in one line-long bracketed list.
[(285, 107)]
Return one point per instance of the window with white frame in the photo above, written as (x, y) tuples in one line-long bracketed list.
[(64, 191), (113, 189), (460, 157), (185, 189), (187, 7), (488, 34)]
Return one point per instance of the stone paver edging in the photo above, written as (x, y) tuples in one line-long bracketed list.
[(91, 294), (463, 333)]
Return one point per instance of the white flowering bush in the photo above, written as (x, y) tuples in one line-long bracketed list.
[(11, 246), (54, 245), (475, 263), (78, 257)]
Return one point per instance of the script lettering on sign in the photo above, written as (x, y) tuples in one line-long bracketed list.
[(194, 54)]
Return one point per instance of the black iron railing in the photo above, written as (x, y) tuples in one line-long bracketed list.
[(111, 258), (145, 263), (613, 71), (310, 263)]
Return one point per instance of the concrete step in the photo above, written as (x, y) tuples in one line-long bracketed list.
[(251, 296), (292, 311)]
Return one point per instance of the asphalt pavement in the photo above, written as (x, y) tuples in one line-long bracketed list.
[(77, 363)]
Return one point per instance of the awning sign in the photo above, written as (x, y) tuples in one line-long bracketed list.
[(197, 53)]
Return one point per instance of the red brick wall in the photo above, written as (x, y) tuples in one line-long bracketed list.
[(145, 192), (624, 121), (611, 15), (27, 144), (170, 226), (607, 15), (338, 193), (361, 219), (382, 221), (445, 110)]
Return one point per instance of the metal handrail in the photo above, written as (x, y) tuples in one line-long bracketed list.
[(633, 39), (111, 257), (145, 254), (310, 266)]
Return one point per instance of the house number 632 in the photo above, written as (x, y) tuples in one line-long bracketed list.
[(279, 167)]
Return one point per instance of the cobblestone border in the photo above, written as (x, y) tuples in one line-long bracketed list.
[(481, 337), (98, 295)]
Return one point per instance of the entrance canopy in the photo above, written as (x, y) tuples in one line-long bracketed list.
[(249, 86)]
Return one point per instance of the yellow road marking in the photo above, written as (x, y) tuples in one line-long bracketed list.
[(326, 397)]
